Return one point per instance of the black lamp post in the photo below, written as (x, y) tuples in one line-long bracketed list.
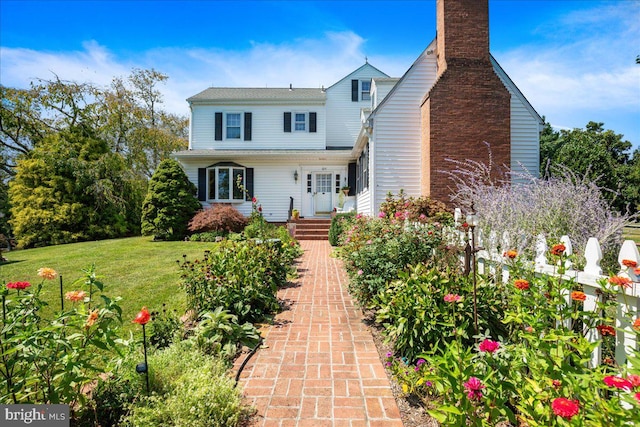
[(472, 222)]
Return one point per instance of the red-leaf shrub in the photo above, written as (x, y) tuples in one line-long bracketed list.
[(218, 217)]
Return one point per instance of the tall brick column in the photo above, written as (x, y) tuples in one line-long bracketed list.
[(468, 104)]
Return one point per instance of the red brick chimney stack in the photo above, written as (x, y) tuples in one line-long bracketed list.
[(468, 104)]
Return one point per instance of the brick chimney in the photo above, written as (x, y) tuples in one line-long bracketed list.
[(468, 104)]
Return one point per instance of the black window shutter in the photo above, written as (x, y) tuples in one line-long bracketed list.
[(202, 184), (218, 130), (313, 117), (249, 187), (354, 91), (247, 126), (287, 122), (351, 178)]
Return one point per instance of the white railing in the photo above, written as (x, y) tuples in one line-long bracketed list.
[(490, 260)]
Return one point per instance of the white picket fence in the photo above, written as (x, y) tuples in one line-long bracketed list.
[(490, 260)]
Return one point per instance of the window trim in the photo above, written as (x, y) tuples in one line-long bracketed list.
[(362, 91), (240, 125), (232, 184), (294, 122)]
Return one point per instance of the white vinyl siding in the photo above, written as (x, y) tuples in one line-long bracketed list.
[(343, 115), (266, 129), (396, 151)]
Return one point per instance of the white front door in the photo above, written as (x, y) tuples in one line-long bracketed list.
[(322, 192)]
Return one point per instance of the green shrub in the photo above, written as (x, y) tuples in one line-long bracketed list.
[(170, 202), (338, 224), (189, 388), (376, 250), (242, 277), (219, 333), (209, 236), (415, 209), (166, 328)]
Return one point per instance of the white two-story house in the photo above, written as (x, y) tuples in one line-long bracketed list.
[(295, 148)]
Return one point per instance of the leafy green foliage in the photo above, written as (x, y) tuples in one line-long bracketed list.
[(219, 333), (241, 277), (188, 388), (170, 202), (415, 209), (338, 225), (71, 188), (601, 156), (376, 250), (165, 328), (51, 362)]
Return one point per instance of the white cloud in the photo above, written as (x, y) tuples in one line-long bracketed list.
[(302, 63), (584, 70)]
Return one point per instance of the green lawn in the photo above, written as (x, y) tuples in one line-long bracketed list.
[(142, 272), (632, 232)]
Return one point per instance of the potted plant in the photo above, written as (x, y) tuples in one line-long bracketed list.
[(345, 189), (295, 214)]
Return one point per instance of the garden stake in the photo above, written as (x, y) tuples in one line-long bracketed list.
[(144, 347), (61, 295), (142, 318)]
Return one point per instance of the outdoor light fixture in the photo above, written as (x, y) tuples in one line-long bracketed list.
[(295, 175), (472, 221)]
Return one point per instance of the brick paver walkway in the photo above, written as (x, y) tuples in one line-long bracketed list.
[(320, 366)]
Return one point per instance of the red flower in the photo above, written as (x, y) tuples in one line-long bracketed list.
[(637, 396), (18, 285), (634, 380), (565, 408), (636, 271), (143, 317), (512, 253), (254, 200), (629, 263), (260, 208), (489, 346), (617, 382), (521, 284), (606, 330), (558, 249), (623, 282), (578, 296), (473, 388), (636, 324)]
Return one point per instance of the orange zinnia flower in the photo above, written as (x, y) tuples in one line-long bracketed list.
[(91, 319), (629, 263), (47, 273), (636, 324), (511, 253), (521, 284), (143, 317), (606, 330), (75, 296), (578, 296), (623, 282), (558, 249)]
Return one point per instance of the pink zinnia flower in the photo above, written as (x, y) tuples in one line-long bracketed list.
[(452, 298), (382, 215), (617, 382), (360, 272), (634, 380), (565, 408), (489, 346), (637, 396), (18, 285), (473, 388)]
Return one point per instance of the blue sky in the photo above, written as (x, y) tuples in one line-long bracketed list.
[(573, 60)]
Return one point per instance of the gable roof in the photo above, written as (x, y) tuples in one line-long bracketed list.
[(223, 94), (348, 76)]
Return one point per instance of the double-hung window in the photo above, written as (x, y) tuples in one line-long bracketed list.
[(300, 122), (233, 126), (224, 183), (365, 90)]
